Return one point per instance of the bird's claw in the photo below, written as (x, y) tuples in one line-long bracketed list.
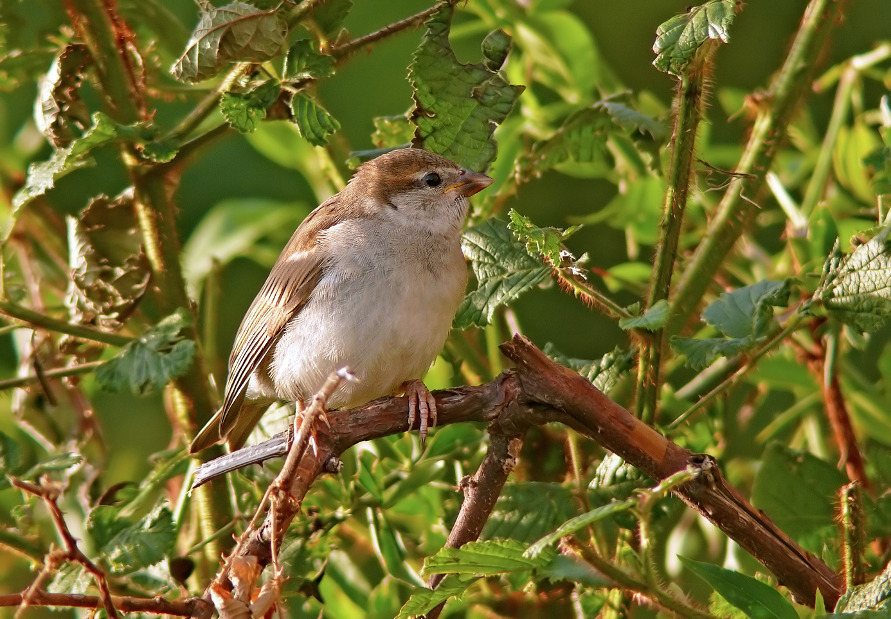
[(422, 405)]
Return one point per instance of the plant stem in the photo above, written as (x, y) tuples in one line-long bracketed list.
[(21, 381), (737, 209), (61, 326), (689, 103)]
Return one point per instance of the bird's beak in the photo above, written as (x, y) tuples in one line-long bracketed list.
[(470, 183)]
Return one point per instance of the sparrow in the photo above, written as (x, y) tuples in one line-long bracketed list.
[(370, 280)]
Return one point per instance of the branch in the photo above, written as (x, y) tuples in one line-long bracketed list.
[(539, 391), (193, 607), (36, 319)]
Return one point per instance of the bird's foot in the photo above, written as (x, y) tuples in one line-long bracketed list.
[(421, 404)]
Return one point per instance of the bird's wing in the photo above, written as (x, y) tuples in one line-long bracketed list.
[(286, 290)]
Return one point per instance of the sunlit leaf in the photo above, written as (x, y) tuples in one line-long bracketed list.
[(544, 242), (872, 596), (457, 106), (678, 39), (486, 558), (128, 545), (236, 32), (313, 122), (423, 600), (305, 61), (60, 113), (857, 289), (652, 320), (244, 110), (504, 270)]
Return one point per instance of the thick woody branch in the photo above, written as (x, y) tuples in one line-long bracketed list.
[(193, 607), (539, 391)]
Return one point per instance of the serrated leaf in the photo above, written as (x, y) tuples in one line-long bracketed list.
[(424, 600), (603, 373), (313, 122), (756, 599), (580, 140), (236, 32), (305, 61), (457, 106), (562, 567), (652, 320), (798, 492), (872, 596), (575, 524), (504, 270), (544, 242), (131, 546), (487, 558), (42, 176), (857, 290), (71, 578), (244, 110), (679, 38), (525, 512), (150, 362)]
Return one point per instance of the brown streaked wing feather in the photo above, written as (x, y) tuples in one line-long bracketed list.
[(288, 287)]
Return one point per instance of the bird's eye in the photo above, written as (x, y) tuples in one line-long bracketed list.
[(432, 179)]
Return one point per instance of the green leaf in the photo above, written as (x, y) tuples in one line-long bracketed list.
[(71, 578), (389, 548), (236, 32), (305, 61), (798, 492), (150, 362), (575, 524), (746, 312), (527, 511), (652, 320), (562, 567), (329, 15), (756, 599), (313, 122), (504, 270), (42, 176), (61, 462), (60, 113), (487, 558), (423, 600), (131, 546), (678, 39), (875, 595), (244, 110), (457, 106), (580, 140), (544, 242), (857, 290), (12, 460)]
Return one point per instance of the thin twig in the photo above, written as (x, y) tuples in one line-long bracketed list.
[(21, 381), (36, 319), (50, 496), (192, 607), (345, 49)]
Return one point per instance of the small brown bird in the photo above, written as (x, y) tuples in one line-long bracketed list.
[(370, 280)]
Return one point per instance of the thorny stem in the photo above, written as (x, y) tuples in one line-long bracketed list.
[(737, 208), (853, 530), (415, 20)]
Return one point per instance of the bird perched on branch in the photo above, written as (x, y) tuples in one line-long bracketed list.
[(370, 280)]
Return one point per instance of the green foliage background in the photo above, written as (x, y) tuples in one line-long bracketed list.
[(242, 194)]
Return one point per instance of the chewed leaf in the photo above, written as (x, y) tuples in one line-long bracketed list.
[(857, 289), (678, 39), (244, 111), (457, 106), (544, 242), (504, 270), (152, 361), (237, 31)]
